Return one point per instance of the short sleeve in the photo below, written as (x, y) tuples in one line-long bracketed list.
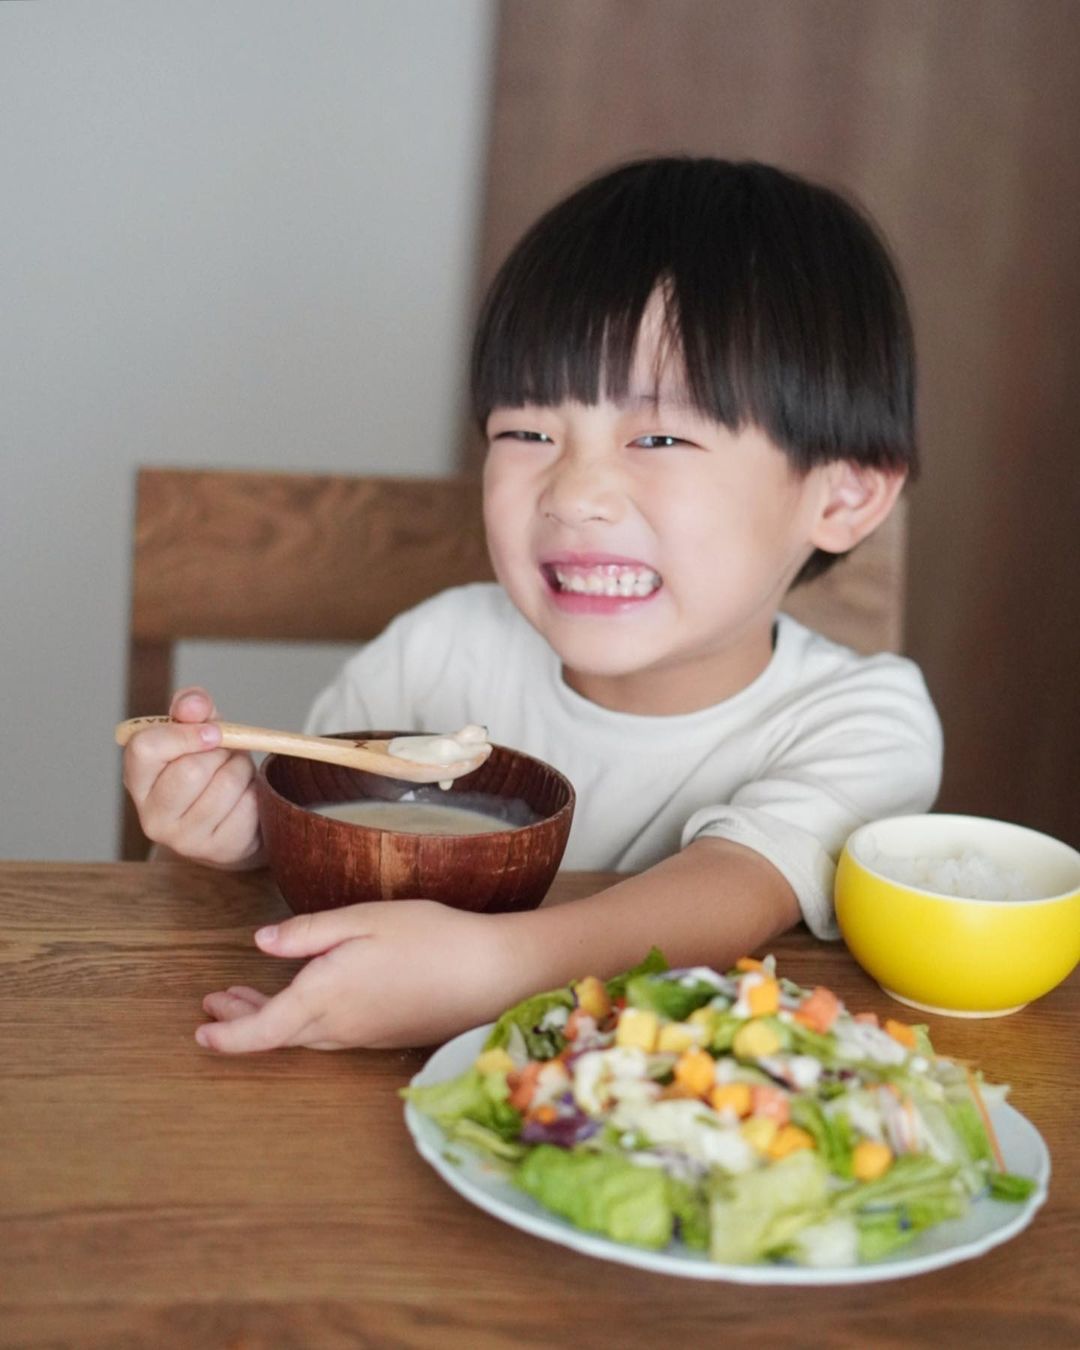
[(863, 747)]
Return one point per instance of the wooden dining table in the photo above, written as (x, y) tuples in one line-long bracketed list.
[(154, 1194)]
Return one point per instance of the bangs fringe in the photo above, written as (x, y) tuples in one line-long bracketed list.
[(780, 306)]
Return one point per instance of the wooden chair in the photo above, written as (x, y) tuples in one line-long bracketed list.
[(284, 557), (327, 558)]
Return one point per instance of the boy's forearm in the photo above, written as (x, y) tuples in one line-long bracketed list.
[(709, 904)]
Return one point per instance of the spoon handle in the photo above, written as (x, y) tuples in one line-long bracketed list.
[(371, 756)]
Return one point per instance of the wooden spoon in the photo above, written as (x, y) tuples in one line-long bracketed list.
[(371, 756)]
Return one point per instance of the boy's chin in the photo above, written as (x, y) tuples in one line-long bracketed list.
[(604, 664)]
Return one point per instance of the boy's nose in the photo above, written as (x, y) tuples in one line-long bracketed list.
[(581, 489)]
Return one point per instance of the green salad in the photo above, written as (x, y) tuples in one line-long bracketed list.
[(737, 1112)]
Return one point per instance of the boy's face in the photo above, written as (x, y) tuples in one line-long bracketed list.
[(649, 545)]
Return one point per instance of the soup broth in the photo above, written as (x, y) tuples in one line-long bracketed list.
[(415, 817)]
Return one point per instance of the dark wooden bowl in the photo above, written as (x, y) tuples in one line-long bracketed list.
[(321, 863)]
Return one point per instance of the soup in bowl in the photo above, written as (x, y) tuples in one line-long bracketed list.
[(490, 842)]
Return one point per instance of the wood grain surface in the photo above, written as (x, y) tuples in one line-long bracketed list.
[(155, 1195), (306, 557)]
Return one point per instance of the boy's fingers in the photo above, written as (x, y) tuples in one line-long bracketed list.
[(228, 1004), (193, 704), (310, 934), (280, 1021), (151, 751)]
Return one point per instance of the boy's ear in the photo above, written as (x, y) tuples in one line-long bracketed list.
[(857, 499)]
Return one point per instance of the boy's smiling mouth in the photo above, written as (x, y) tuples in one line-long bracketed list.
[(601, 580)]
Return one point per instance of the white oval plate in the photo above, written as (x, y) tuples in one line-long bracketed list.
[(986, 1224)]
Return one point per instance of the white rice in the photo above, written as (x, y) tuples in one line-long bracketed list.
[(969, 875)]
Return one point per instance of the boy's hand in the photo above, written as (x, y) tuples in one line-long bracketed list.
[(383, 974), (191, 795)]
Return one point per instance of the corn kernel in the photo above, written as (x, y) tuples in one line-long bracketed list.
[(695, 1070), (754, 1039), (702, 1017), (789, 1139), (748, 963), (675, 1037), (870, 1160), (763, 998), (733, 1097), (637, 1027), (759, 1132), (494, 1061), (592, 997)]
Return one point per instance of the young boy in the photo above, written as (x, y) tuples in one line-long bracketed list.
[(696, 382)]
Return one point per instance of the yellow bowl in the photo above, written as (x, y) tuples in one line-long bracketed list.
[(947, 954)]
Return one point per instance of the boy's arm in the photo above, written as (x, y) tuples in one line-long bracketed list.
[(708, 904), (411, 972)]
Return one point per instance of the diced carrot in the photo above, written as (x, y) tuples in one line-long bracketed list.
[(695, 1070), (763, 998), (731, 1097), (819, 1010), (770, 1102), (544, 1115), (522, 1085), (900, 1031), (748, 963)]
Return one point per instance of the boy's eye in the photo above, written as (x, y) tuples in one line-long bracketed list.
[(659, 442), (537, 437)]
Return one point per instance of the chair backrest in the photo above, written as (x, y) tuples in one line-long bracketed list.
[(328, 558), (280, 557)]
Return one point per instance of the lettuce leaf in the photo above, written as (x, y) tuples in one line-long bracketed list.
[(472, 1095), (601, 1193), (527, 1016), (833, 1135), (670, 998), (655, 963), (968, 1124), (758, 1214), (1008, 1186), (920, 1190)]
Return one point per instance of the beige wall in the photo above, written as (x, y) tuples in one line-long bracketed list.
[(232, 232), (958, 123)]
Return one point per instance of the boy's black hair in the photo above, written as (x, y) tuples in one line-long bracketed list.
[(779, 296)]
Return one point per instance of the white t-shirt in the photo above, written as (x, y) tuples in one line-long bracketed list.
[(821, 742)]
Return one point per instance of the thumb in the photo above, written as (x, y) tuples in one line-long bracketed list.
[(192, 705), (311, 934)]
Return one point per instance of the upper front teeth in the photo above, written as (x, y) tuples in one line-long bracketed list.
[(608, 580)]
